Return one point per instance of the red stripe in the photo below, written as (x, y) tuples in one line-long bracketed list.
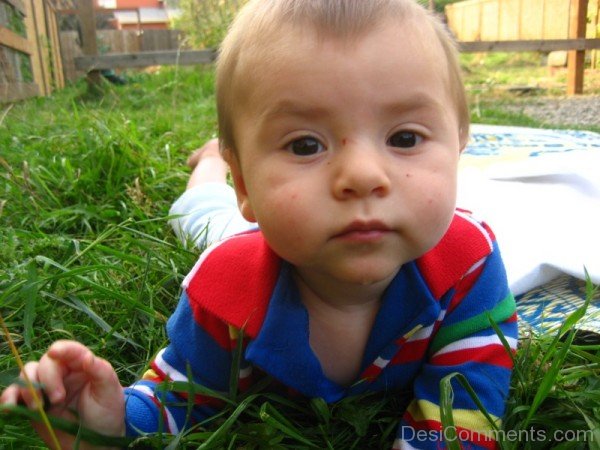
[(371, 372), (411, 351), (161, 408), (199, 399)]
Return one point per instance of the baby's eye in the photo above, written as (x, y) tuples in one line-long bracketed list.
[(404, 139), (305, 146)]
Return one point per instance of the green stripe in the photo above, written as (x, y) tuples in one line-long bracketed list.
[(446, 335)]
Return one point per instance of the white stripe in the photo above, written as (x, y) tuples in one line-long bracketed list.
[(475, 342), (402, 445), (171, 372), (245, 373), (173, 428), (192, 273), (477, 225), (476, 266), (380, 362), (147, 390), (425, 333)]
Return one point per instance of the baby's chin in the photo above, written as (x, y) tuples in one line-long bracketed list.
[(365, 277)]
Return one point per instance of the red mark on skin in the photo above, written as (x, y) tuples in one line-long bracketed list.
[(344, 141)]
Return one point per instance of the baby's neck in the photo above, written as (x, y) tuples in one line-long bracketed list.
[(339, 296), (340, 323)]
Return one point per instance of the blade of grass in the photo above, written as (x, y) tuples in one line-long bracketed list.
[(274, 418), (549, 379), (72, 428)]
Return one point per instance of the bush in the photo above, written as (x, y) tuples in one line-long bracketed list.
[(205, 22)]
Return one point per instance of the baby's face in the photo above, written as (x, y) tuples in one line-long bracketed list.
[(348, 153)]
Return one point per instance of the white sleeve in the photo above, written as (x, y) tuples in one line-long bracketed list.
[(206, 214)]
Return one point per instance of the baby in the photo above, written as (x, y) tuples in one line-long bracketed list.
[(342, 122)]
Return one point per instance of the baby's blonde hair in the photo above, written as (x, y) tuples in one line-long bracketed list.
[(259, 22)]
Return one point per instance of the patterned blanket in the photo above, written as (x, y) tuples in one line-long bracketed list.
[(540, 192)]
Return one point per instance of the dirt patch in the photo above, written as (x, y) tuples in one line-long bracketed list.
[(578, 110)]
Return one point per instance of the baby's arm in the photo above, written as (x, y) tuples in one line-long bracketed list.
[(207, 211), (73, 378), (200, 344), (465, 342)]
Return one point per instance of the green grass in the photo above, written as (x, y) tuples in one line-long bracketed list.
[(489, 78), (86, 184)]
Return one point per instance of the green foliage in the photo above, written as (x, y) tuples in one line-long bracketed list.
[(439, 5), (12, 18), (205, 22)]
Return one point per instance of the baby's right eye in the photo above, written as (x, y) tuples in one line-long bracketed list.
[(305, 146)]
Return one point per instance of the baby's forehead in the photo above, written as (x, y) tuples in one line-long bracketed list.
[(292, 41)]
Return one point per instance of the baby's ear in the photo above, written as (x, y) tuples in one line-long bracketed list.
[(238, 184)]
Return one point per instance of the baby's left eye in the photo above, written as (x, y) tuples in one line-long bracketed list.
[(404, 139)]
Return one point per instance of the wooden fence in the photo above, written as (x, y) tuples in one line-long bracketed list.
[(110, 42), (511, 20), (529, 25), (30, 62)]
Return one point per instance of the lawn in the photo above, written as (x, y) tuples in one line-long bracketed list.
[(87, 254)]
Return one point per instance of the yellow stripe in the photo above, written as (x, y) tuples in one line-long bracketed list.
[(470, 419), (234, 333), (149, 375), (408, 335)]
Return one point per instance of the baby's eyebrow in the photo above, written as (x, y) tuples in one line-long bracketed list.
[(295, 109), (416, 101)]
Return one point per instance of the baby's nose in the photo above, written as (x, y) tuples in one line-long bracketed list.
[(362, 172)]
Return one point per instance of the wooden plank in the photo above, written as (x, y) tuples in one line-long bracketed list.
[(42, 37), (529, 46), (531, 20), (10, 39), (52, 27), (556, 20), (70, 49), (87, 21), (12, 92), (145, 59), (490, 21), (576, 58), (36, 62)]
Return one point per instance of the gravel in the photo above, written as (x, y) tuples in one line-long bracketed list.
[(578, 111)]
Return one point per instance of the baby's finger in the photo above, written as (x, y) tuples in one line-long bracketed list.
[(10, 396), (103, 376), (51, 374), (193, 159), (71, 355), (77, 358), (211, 147)]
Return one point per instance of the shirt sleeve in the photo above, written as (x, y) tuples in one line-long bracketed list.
[(202, 346), (466, 343), (206, 214)]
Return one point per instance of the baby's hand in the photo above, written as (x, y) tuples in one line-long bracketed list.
[(210, 148), (73, 378)]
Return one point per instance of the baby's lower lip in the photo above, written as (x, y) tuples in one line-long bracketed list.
[(362, 235)]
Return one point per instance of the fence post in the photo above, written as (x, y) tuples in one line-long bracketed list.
[(87, 22), (576, 58)]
